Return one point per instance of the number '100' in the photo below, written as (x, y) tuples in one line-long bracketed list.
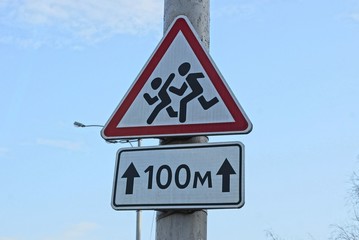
[(181, 185)]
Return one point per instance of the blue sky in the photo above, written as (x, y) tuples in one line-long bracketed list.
[(292, 64)]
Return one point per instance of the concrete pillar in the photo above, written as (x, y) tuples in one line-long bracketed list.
[(185, 224)]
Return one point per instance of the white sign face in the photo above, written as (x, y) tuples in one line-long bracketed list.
[(190, 99), (191, 176)]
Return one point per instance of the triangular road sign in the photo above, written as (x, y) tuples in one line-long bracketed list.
[(179, 92)]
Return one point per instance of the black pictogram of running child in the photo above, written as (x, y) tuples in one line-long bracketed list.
[(162, 96), (191, 80)]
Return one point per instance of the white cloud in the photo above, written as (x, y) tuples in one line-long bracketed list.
[(120, 16), (7, 238), (88, 21), (3, 152), (355, 17), (243, 10), (80, 231), (63, 144), (77, 232)]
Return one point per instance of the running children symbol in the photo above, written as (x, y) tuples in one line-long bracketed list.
[(191, 82)]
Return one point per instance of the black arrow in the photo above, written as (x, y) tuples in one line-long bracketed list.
[(226, 170), (131, 173)]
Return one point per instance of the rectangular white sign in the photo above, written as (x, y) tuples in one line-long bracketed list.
[(190, 176)]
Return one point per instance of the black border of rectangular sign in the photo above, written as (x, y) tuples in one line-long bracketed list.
[(238, 204)]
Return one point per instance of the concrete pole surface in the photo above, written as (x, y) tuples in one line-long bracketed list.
[(197, 12), (185, 224)]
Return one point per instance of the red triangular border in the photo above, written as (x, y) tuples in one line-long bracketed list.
[(241, 124)]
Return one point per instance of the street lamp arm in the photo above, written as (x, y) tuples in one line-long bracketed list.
[(78, 124)]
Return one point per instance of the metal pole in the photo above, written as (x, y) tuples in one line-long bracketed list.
[(185, 224), (138, 224), (138, 212)]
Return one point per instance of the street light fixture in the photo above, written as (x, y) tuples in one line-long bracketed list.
[(81, 125), (78, 124)]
